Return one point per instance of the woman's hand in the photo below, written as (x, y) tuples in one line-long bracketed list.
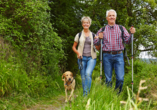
[(79, 56), (74, 49)]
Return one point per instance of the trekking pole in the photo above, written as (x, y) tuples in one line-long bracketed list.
[(101, 59), (132, 37)]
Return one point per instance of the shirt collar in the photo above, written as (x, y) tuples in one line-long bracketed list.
[(111, 27)]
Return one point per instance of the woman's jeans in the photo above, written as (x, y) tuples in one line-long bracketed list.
[(88, 65), (115, 61)]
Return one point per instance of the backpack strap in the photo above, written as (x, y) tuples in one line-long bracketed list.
[(125, 52), (103, 29), (80, 34), (79, 37), (93, 41), (122, 35), (93, 35)]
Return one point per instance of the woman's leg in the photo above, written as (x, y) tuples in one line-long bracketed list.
[(88, 75), (82, 72)]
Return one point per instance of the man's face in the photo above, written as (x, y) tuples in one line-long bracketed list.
[(111, 18)]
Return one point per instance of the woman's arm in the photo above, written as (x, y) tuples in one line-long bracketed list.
[(75, 50)]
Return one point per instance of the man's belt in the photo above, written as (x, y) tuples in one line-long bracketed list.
[(113, 52)]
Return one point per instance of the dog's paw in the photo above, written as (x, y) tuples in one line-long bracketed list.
[(71, 99)]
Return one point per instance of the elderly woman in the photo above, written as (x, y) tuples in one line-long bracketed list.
[(85, 54)]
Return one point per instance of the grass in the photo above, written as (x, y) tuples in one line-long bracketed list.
[(21, 101), (100, 97), (104, 98)]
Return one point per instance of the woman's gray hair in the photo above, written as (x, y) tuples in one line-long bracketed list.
[(86, 17), (109, 11)]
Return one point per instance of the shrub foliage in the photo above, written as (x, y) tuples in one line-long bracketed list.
[(28, 40)]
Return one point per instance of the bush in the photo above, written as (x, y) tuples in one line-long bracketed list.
[(30, 51), (26, 26)]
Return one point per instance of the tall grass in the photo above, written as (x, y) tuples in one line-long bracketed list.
[(18, 89), (102, 98), (105, 98)]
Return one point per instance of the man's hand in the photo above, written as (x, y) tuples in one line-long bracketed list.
[(132, 30), (101, 35)]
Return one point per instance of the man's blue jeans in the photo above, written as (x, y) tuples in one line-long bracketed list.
[(86, 73), (115, 61)]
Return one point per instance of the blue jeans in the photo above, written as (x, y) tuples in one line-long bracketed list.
[(88, 65), (115, 61)]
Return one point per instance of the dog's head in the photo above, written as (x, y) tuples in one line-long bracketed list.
[(67, 76)]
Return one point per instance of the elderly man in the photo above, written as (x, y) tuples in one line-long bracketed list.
[(112, 47)]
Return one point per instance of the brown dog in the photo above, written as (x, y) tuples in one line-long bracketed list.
[(69, 84)]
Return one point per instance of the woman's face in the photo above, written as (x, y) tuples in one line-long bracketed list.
[(85, 24)]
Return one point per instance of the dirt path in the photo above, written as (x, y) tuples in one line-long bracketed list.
[(56, 103)]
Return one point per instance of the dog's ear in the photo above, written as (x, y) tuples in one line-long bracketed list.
[(63, 77), (72, 74)]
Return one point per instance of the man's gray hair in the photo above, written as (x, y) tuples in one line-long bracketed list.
[(109, 11)]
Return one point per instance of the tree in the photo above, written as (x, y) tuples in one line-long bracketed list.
[(66, 16)]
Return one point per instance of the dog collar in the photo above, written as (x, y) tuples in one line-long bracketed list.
[(70, 83)]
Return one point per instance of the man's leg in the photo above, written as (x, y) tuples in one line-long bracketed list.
[(119, 70), (108, 66)]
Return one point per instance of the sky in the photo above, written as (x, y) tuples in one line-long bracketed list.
[(144, 54)]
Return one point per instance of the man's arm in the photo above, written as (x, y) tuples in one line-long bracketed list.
[(127, 36)]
